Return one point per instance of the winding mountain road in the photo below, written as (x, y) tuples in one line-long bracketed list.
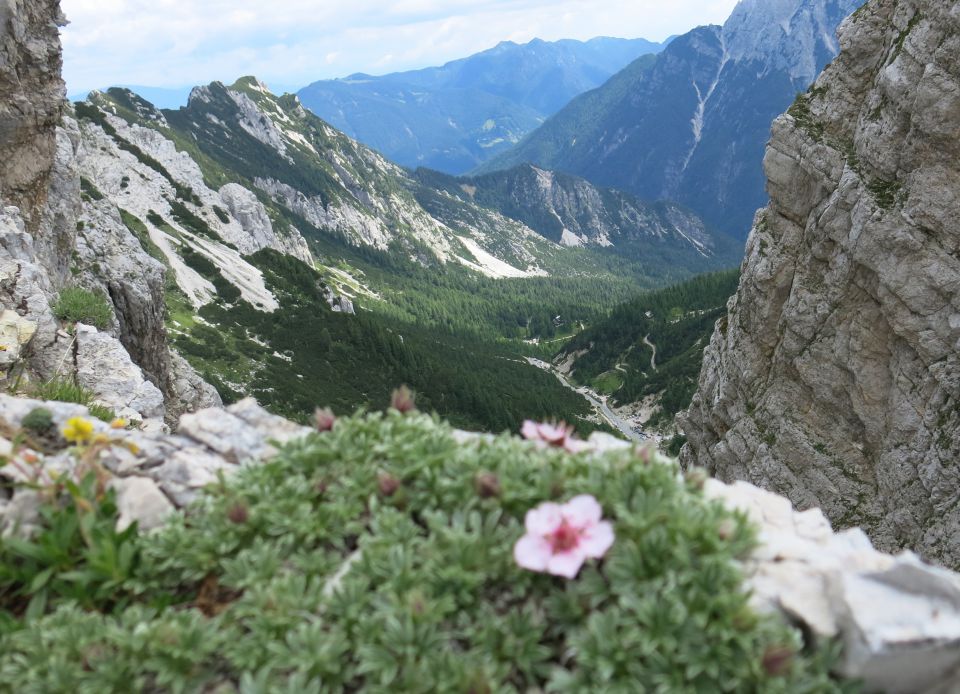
[(596, 401), (653, 359)]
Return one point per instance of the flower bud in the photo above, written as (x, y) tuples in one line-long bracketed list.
[(388, 484), (727, 529), (403, 400), (487, 485), (777, 660), (325, 419), (238, 514)]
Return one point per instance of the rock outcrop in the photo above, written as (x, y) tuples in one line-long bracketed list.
[(258, 232), (572, 212), (33, 93), (104, 368), (835, 380), (112, 261), (159, 472)]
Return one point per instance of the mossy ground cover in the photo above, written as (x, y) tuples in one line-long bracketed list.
[(378, 557)]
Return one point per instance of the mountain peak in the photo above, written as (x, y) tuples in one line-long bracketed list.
[(791, 35), (250, 83)]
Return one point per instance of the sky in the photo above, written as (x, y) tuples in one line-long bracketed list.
[(291, 43)]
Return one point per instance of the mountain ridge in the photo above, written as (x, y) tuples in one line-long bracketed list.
[(693, 126), (453, 116), (256, 208)]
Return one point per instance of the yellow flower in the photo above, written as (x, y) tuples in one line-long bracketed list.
[(119, 423), (78, 430)]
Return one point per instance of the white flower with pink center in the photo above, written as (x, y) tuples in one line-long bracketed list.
[(560, 539)]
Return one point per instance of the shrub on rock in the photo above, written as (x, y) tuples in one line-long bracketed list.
[(78, 305), (324, 583)]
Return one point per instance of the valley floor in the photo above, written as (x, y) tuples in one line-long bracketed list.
[(632, 430)]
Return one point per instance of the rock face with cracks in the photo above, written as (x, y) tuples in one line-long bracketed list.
[(835, 379), (30, 111)]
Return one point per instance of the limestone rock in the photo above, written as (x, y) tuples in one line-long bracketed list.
[(188, 471), (27, 290), (188, 391), (140, 501), (342, 304), (111, 261), (897, 618), (56, 235), (15, 333), (242, 432), (105, 368), (243, 205), (21, 514), (160, 472), (835, 379), (32, 89)]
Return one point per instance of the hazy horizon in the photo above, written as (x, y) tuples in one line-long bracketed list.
[(178, 44)]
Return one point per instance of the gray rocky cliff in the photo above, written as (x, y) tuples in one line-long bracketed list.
[(835, 379), (30, 63), (51, 238), (32, 148)]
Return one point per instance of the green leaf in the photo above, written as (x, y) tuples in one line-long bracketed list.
[(40, 580)]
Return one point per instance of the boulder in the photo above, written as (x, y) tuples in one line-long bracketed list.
[(15, 333), (140, 501), (105, 368)]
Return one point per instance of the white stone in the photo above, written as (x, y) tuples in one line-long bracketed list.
[(15, 333), (897, 618), (139, 500), (105, 368)]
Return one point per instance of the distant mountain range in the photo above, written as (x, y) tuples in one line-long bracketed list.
[(453, 118), (166, 97), (691, 125), (574, 213)]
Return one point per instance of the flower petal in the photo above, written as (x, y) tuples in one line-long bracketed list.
[(554, 434), (544, 519), (530, 430), (597, 539), (582, 511), (572, 445), (532, 552), (566, 564)]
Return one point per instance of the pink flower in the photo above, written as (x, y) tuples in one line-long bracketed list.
[(555, 435), (560, 538)]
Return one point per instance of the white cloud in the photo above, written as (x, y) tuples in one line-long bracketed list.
[(294, 42)]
